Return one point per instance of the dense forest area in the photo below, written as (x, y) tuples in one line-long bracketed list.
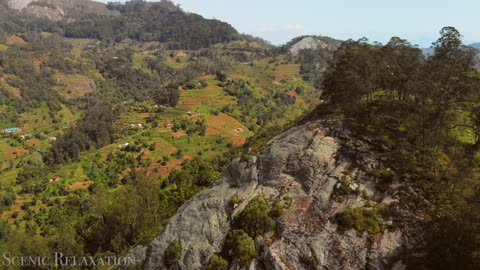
[(421, 114)]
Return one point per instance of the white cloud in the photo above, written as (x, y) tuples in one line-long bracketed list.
[(281, 28)]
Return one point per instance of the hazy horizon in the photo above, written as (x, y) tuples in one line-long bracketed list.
[(280, 21)]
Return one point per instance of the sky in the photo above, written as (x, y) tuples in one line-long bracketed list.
[(278, 21)]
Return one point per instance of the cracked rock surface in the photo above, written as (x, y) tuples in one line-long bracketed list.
[(306, 165)]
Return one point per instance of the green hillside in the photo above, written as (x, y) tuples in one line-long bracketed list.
[(105, 119)]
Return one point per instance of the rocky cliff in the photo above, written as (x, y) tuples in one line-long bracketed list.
[(312, 43), (323, 172), (56, 10)]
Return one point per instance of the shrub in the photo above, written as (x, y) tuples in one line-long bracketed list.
[(173, 253), (217, 263), (255, 218), (361, 219), (278, 208), (9, 198), (234, 200)]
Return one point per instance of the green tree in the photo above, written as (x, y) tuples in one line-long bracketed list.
[(255, 218)]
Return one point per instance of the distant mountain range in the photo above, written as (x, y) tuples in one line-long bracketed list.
[(475, 45)]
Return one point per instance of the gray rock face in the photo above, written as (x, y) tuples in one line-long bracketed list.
[(307, 43), (306, 165), (312, 43), (56, 10), (18, 4)]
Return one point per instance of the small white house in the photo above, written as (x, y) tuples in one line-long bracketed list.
[(121, 146), (136, 126)]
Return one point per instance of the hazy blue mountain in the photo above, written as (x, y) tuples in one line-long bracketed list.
[(475, 45)]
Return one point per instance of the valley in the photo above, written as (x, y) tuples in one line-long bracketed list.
[(144, 131)]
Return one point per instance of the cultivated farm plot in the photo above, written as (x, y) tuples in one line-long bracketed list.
[(298, 99), (80, 185), (130, 118), (171, 165), (229, 128), (74, 86), (212, 97), (286, 71), (37, 119)]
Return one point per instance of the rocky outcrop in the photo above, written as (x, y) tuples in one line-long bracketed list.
[(312, 43), (50, 12), (56, 10), (321, 170)]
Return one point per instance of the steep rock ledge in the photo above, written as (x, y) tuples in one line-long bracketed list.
[(305, 164)]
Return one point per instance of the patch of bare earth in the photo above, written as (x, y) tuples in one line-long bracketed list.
[(16, 40), (80, 185)]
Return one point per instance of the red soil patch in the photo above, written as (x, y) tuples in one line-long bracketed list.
[(147, 154), (176, 164), (212, 131), (38, 60), (80, 185), (265, 91), (298, 99), (226, 126), (15, 40), (238, 141), (179, 133)]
